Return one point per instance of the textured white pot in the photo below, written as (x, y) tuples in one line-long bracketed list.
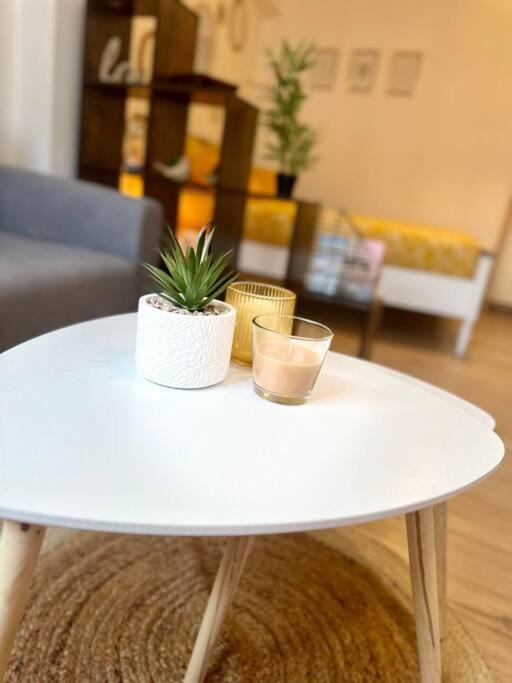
[(183, 351)]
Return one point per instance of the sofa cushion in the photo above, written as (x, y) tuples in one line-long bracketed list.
[(80, 214), (46, 285)]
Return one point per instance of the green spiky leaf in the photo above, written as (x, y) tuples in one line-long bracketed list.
[(194, 278)]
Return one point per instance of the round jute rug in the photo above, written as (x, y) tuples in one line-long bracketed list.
[(109, 608)]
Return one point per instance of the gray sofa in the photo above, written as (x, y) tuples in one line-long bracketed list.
[(69, 251)]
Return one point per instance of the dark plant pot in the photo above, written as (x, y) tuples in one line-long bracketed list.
[(285, 184)]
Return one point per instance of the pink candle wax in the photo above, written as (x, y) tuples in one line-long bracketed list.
[(285, 368)]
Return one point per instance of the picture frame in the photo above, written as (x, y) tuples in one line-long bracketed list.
[(324, 71), (403, 73), (362, 70)]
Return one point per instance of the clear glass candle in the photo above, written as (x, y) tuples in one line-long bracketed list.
[(287, 357), (251, 299)]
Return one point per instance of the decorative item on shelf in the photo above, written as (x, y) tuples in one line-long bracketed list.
[(134, 143), (112, 72), (145, 53), (184, 333), (362, 70), (205, 46), (131, 184), (285, 184), (238, 25), (251, 299), (295, 140), (177, 170), (109, 71), (288, 354), (343, 263)]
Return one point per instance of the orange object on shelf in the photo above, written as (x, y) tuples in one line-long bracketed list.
[(131, 184)]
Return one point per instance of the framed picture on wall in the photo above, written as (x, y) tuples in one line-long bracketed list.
[(325, 69), (404, 69), (362, 70)]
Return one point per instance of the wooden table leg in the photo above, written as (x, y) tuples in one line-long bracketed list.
[(226, 582), (440, 511), (19, 549), (422, 559)]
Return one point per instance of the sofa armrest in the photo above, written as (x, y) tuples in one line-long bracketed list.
[(79, 214)]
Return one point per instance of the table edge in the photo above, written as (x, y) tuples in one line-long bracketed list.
[(237, 530)]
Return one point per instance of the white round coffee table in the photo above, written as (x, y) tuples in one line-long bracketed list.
[(86, 443)]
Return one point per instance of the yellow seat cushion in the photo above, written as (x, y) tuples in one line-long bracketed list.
[(409, 245), (269, 220)]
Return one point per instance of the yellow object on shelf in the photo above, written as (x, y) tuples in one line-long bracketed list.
[(131, 184), (204, 158), (251, 299), (262, 181), (266, 220), (195, 208)]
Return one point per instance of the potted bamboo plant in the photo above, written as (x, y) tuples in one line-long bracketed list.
[(293, 140), (184, 333)]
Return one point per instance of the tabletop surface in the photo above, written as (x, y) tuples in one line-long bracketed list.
[(87, 443)]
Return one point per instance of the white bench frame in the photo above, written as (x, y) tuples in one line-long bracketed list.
[(407, 288), (439, 294)]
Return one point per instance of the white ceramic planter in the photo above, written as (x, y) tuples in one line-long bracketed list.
[(183, 351)]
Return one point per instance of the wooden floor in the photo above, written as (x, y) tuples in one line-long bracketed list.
[(480, 521)]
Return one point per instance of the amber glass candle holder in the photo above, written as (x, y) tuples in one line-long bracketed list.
[(251, 299), (288, 355)]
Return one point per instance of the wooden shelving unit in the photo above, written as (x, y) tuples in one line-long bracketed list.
[(173, 88)]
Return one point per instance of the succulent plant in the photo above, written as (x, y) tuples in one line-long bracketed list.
[(194, 277)]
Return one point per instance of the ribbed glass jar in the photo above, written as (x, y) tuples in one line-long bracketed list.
[(251, 299)]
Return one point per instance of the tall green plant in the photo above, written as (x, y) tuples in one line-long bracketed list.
[(294, 140)]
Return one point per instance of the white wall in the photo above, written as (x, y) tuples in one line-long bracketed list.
[(8, 38), (226, 63), (40, 75), (67, 91), (441, 157)]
